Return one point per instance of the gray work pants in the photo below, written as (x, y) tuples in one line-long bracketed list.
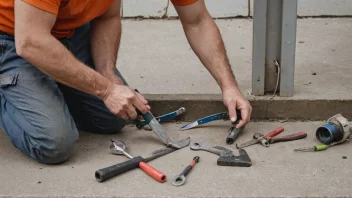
[(40, 116)]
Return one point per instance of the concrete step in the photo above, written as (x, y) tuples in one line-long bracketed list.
[(156, 58), (276, 171)]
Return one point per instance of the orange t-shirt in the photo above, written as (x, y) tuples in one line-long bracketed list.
[(70, 13)]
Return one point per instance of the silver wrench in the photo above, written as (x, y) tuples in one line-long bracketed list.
[(218, 150)]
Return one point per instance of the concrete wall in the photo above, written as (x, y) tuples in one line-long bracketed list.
[(233, 8)]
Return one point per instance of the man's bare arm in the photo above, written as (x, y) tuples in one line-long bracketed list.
[(205, 40), (35, 43), (105, 41)]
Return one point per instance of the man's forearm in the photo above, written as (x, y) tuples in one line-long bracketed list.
[(105, 41), (53, 59), (205, 40)]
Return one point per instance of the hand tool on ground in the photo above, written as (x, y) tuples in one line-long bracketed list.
[(314, 148), (114, 170), (163, 118), (270, 139), (233, 132), (157, 128), (227, 158), (180, 179), (118, 148), (207, 119)]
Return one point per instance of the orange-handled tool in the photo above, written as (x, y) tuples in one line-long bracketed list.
[(119, 149), (157, 175)]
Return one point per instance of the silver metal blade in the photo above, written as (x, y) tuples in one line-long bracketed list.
[(164, 151), (159, 131), (254, 141), (189, 126), (117, 147)]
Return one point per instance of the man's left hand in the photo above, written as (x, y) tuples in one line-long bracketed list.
[(233, 99)]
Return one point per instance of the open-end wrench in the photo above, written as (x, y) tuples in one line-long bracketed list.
[(181, 178)]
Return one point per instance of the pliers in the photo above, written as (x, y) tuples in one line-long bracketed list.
[(270, 139), (163, 118)]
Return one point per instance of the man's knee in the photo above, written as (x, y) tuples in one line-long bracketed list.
[(46, 139), (55, 151), (59, 145)]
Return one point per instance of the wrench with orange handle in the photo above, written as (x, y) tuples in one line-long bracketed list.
[(270, 138)]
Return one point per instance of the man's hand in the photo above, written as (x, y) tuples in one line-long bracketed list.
[(233, 99), (123, 101)]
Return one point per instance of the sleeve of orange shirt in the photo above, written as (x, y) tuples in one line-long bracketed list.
[(183, 2), (51, 6)]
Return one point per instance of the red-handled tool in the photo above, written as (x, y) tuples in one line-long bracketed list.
[(157, 175), (270, 138), (285, 138), (274, 133), (119, 149)]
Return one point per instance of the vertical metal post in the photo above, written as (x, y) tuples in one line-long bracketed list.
[(259, 45), (274, 39), (288, 47), (273, 43)]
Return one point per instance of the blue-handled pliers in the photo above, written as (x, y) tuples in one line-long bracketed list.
[(163, 118)]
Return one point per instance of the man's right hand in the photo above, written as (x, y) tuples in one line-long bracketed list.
[(123, 101)]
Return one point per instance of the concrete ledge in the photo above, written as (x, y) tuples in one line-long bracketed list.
[(199, 105)]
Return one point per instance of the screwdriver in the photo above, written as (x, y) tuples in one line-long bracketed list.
[(314, 148)]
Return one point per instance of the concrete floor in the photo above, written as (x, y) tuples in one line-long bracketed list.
[(277, 171), (156, 58)]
